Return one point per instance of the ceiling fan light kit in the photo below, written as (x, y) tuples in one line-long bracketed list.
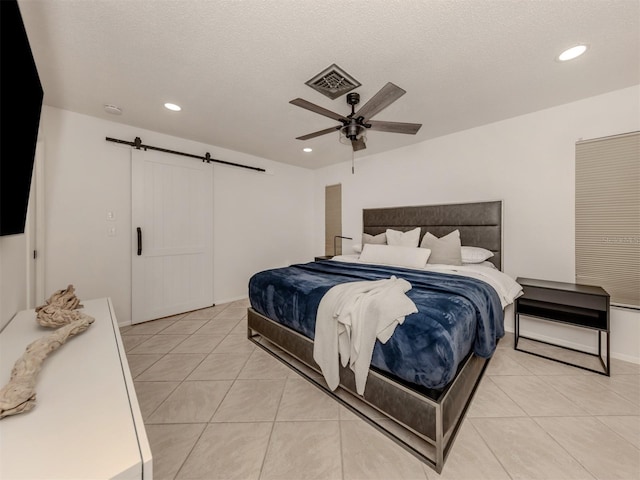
[(354, 133), (353, 127)]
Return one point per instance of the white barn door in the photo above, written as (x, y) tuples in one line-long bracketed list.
[(172, 215)]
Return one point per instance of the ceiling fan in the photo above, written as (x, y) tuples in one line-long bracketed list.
[(353, 127)]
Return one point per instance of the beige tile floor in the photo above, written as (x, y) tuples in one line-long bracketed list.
[(218, 407)]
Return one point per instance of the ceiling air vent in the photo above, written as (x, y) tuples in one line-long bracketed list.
[(333, 82)]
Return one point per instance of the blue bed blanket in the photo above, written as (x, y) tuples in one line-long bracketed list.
[(456, 315)]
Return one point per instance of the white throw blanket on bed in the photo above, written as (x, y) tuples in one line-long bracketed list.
[(350, 317)]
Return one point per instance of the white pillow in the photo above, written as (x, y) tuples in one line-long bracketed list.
[(380, 239), (395, 255), (481, 264), (403, 239), (475, 254), (357, 248)]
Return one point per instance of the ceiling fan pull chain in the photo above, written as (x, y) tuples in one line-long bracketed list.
[(353, 156)]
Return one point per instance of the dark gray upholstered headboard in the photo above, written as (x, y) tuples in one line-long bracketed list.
[(480, 224)]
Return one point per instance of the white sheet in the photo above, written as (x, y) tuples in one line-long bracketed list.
[(506, 287), (410, 257)]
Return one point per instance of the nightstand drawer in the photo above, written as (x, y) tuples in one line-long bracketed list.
[(562, 297), (565, 313)]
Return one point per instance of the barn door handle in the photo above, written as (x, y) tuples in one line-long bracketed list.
[(139, 241)]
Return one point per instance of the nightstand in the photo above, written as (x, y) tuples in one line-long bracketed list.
[(323, 257), (583, 306)]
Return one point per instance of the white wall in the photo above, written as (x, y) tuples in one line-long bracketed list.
[(528, 162), (13, 276), (264, 221), (260, 220)]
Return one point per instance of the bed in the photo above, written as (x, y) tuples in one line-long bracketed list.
[(422, 379)]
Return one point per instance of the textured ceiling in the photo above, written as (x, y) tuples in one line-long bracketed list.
[(234, 65)]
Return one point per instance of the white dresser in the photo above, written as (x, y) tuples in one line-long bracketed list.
[(86, 424)]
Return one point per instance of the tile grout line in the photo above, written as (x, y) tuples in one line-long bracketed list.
[(470, 420), (194, 368), (542, 377), (273, 426), (179, 384), (490, 449), (186, 457), (175, 388), (614, 431), (233, 382), (553, 439), (532, 418)]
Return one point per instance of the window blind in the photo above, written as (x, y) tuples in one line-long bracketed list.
[(608, 216)]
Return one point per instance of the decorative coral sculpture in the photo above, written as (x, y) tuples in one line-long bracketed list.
[(59, 309), (19, 394)]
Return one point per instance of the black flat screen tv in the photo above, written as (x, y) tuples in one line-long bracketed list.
[(21, 97)]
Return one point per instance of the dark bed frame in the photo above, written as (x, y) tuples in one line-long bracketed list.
[(425, 422)]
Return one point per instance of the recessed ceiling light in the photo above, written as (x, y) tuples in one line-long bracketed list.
[(112, 109), (307, 149), (572, 53), (173, 107)]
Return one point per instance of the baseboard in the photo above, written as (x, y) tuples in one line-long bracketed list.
[(229, 300), (576, 346)]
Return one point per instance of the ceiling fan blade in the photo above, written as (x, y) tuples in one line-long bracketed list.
[(381, 100), (395, 127), (318, 133), (317, 109), (358, 144)]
